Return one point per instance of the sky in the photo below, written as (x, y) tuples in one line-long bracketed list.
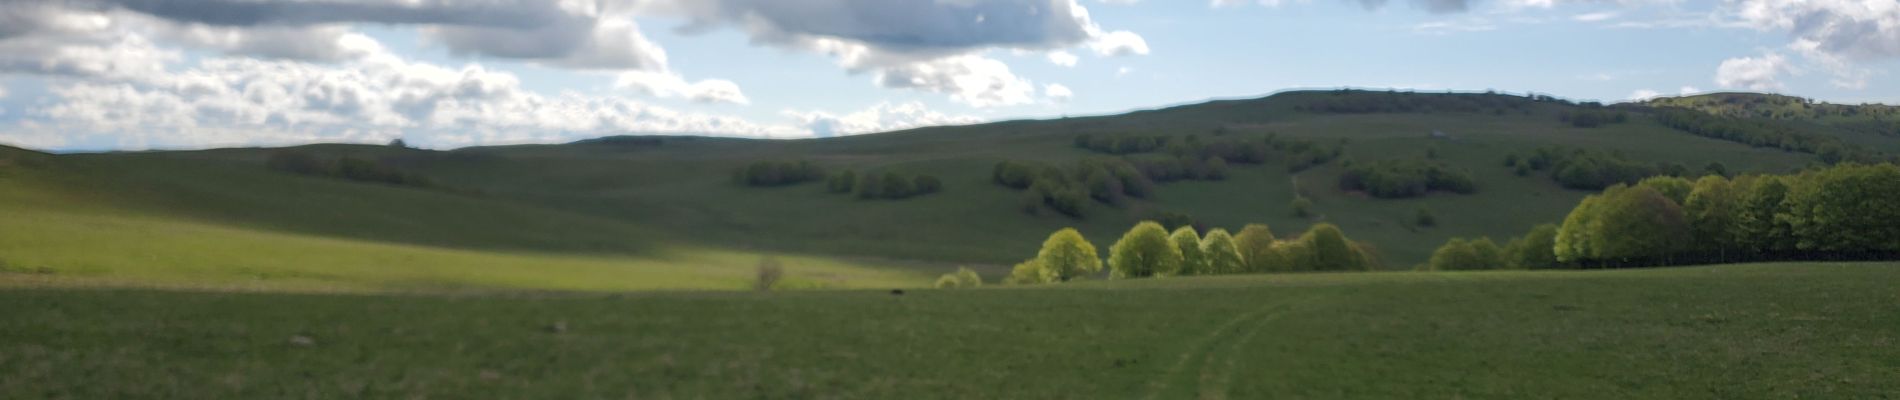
[(93, 75)]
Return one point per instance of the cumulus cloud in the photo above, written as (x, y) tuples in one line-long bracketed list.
[(238, 101), (1062, 58), (663, 84), (1753, 73), (1056, 92), (1643, 94), (878, 118), (929, 45), (1855, 29)]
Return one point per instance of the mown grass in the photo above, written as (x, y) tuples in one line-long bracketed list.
[(1728, 332)]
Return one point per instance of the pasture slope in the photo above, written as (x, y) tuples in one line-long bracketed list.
[(1817, 330)]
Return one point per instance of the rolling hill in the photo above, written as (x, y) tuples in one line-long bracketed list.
[(651, 212)]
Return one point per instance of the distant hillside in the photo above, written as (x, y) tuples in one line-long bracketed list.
[(618, 195)]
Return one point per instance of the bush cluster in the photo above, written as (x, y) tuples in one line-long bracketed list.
[(350, 168), (1764, 133), (1150, 250), (888, 185), (1391, 179), (1592, 117), (1069, 190)]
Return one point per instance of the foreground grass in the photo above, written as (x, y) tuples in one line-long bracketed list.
[(1754, 331)]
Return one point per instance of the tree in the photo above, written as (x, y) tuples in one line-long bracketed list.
[(1256, 246), (870, 186), (1572, 243), (1489, 255), (926, 184), (1674, 188), (1715, 168), (1846, 209), (1638, 224), (896, 187), (1534, 250), (1193, 260), (1302, 207), (1711, 210), (1223, 256), (1030, 273), (1326, 248), (1068, 255), (398, 143), (1144, 251), (1756, 226), (842, 182)]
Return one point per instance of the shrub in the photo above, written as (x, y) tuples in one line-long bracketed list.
[(297, 162), (842, 182), (1030, 273), (769, 272), (1302, 207), (963, 278), (1325, 248), (1424, 218), (1399, 179), (1256, 245)]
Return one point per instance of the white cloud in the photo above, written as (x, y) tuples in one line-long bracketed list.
[(1062, 58), (1837, 35), (1643, 94), (1445, 27), (1119, 2), (665, 84), (241, 101), (1688, 90), (969, 79), (1123, 71), (1753, 73), (1056, 92), (882, 117), (1594, 17), (1118, 43)]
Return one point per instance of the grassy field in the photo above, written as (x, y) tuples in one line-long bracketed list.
[(1723, 332)]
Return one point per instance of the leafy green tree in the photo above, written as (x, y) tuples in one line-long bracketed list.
[(1144, 251), (1068, 255), (1711, 209), (1756, 224), (1256, 245), (1193, 260), (1673, 188), (1327, 249), (1302, 207), (1638, 224), (1572, 243), (1490, 256), (1534, 250), (1715, 168), (1846, 209), (895, 186), (1223, 256), (1031, 273)]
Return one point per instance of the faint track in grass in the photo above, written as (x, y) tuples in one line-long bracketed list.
[(1213, 375)]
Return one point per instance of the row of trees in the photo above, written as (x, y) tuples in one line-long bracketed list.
[(1122, 144), (1362, 101), (1764, 133), (1149, 250), (1531, 251), (350, 168), (889, 185), (778, 173), (1391, 179), (1592, 117), (1069, 190), (1837, 213)]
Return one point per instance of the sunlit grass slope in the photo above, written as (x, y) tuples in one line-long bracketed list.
[(1724, 332), (65, 224)]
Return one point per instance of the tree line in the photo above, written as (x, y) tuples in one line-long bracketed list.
[(889, 185), (1150, 250), (1836, 213), (1764, 133), (1352, 101), (348, 168), (1581, 169)]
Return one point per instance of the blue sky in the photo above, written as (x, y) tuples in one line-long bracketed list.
[(120, 74)]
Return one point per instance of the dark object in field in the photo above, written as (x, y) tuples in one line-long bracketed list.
[(302, 341), (897, 292), (558, 327)]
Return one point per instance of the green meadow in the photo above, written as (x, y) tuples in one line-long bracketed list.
[(1814, 330)]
